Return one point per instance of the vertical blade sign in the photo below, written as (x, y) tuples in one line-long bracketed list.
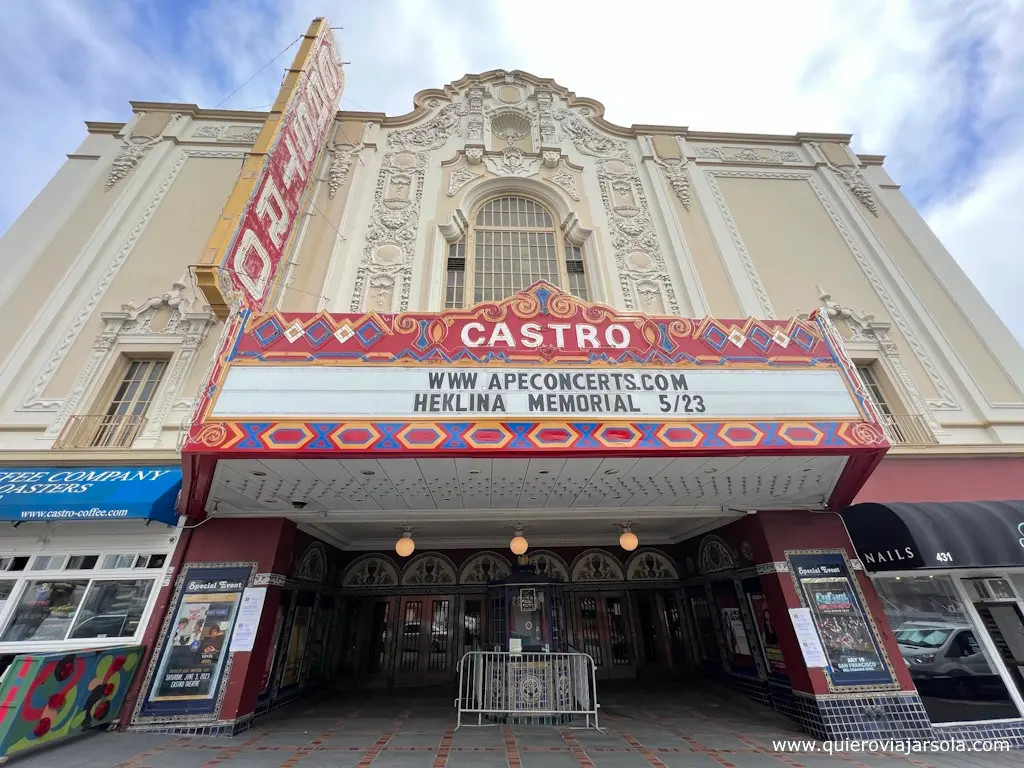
[(257, 251)]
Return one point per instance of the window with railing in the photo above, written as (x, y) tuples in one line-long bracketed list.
[(900, 428), (512, 244), (124, 416)]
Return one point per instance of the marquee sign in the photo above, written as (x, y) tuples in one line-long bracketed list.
[(541, 371), (267, 198)]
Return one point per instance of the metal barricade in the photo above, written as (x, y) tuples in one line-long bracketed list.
[(544, 687)]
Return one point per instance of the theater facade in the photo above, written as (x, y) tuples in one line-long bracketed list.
[(397, 463), (723, 396)]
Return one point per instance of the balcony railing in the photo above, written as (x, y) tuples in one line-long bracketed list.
[(100, 431), (907, 429)]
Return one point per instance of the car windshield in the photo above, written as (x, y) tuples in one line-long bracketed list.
[(922, 637)]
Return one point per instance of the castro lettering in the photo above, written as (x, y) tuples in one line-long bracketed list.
[(558, 335)]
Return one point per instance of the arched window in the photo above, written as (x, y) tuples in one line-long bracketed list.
[(512, 244)]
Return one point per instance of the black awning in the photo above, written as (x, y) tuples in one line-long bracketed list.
[(961, 534)]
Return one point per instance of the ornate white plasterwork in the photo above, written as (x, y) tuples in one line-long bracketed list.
[(638, 255), (764, 155), (549, 565), (650, 565), (208, 132), (186, 328), (483, 567), (341, 161), (429, 569), (596, 565), (433, 133), (566, 181), (858, 186), (510, 125), (128, 157), (475, 109), (714, 556), (370, 571), (312, 566), (675, 172), (946, 400), (864, 329), (546, 119), (389, 252), (512, 161), (852, 179), (33, 400), (459, 178)]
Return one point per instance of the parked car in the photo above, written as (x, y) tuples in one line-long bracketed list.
[(940, 648)]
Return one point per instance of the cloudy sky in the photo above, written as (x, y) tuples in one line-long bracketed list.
[(936, 85)]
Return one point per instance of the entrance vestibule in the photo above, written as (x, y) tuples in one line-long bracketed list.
[(416, 640)]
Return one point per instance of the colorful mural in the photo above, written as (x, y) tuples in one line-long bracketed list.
[(47, 697)]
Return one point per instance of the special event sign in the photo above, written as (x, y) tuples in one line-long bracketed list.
[(539, 371), (829, 590), (196, 643)]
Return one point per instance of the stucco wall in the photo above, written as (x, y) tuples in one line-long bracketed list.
[(795, 247)]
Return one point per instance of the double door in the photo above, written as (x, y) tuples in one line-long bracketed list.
[(630, 633), (601, 627), (402, 641)]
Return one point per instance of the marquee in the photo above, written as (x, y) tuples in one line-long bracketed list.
[(541, 371)]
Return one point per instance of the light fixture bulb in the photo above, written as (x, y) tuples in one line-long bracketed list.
[(405, 545), (519, 544), (628, 540)]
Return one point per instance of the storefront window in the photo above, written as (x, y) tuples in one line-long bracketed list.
[(45, 610), (112, 609), (54, 610), (957, 680), (6, 587)]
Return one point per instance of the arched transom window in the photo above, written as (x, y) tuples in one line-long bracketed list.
[(512, 244)]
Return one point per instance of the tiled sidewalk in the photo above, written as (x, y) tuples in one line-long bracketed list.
[(698, 728)]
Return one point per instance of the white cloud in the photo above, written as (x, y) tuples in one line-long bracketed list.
[(892, 73), (985, 231)]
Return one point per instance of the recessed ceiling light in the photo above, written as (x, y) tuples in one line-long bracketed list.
[(611, 471), (806, 470), (474, 471), (710, 471), (368, 472), (544, 472), (258, 474)]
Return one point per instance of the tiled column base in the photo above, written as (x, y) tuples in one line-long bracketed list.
[(1012, 732), (862, 716), (209, 728)]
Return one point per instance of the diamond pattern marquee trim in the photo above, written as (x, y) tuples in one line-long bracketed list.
[(540, 327)]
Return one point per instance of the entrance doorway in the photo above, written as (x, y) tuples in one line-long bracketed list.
[(408, 641), (402, 641), (425, 634), (660, 632), (601, 628)]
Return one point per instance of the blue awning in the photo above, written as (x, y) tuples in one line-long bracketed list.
[(43, 494)]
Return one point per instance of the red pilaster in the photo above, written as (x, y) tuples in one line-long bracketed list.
[(818, 530)]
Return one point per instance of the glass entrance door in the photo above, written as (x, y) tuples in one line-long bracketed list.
[(659, 631), (373, 646), (602, 629), (1005, 626), (426, 629)]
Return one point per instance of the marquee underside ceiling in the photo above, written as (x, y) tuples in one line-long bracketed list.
[(334, 488)]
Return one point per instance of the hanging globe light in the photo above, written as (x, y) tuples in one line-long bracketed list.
[(405, 546), (627, 539), (519, 544)]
